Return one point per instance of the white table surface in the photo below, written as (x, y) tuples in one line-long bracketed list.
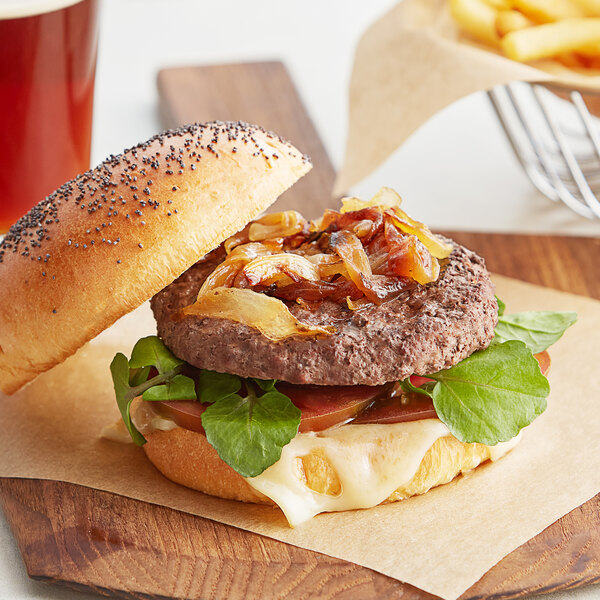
[(456, 172)]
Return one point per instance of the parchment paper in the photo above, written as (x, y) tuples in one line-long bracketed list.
[(409, 65), (441, 542)]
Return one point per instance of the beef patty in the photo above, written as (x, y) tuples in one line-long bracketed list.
[(425, 329)]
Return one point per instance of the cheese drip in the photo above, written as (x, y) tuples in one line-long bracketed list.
[(371, 462)]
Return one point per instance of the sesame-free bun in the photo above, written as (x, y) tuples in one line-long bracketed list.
[(102, 244), (187, 458)]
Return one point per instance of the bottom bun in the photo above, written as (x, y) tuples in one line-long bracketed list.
[(187, 458)]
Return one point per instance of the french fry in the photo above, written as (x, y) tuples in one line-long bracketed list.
[(591, 7), (477, 18), (500, 4), (511, 20), (590, 50), (546, 11), (551, 39), (571, 60), (590, 62)]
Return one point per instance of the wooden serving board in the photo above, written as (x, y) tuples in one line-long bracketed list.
[(92, 540)]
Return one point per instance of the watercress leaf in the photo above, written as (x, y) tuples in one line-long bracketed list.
[(213, 386), (151, 352), (266, 385), (538, 330), (138, 376), (408, 387), (501, 306), (249, 433), (119, 368), (491, 395), (179, 387)]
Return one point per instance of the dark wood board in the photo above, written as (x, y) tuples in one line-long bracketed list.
[(94, 540)]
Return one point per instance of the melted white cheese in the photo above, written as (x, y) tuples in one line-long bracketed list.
[(371, 462)]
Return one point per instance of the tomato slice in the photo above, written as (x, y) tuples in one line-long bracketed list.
[(412, 407), (186, 413), (324, 406), (543, 359), (418, 381), (416, 406)]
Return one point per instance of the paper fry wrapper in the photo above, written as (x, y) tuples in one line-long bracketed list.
[(441, 542), (412, 63)]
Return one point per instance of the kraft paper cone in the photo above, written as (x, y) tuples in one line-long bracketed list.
[(412, 63)]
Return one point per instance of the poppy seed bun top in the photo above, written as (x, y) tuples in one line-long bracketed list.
[(108, 240)]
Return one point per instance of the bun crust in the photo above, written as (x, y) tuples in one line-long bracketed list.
[(107, 241), (187, 458)]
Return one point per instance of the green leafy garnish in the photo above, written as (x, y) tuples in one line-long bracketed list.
[(119, 368), (179, 387), (249, 433), (491, 395), (501, 306), (426, 389), (131, 379), (538, 330), (213, 386)]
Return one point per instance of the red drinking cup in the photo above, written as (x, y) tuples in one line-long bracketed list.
[(48, 52)]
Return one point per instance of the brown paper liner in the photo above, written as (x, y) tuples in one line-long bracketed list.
[(412, 63)]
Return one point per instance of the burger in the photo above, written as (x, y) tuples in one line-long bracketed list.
[(316, 365)]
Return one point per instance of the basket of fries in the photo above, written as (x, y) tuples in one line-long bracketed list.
[(530, 31), (423, 55)]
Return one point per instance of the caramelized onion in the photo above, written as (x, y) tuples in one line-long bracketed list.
[(437, 247), (350, 249), (356, 304), (385, 197), (275, 266), (275, 225), (329, 266), (269, 315), (236, 240), (369, 252), (408, 257), (225, 274), (377, 288), (313, 291), (328, 272), (364, 223)]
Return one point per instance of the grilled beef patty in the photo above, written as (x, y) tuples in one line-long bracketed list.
[(425, 329)]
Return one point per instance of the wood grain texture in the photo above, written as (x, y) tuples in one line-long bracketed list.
[(113, 545), (262, 93)]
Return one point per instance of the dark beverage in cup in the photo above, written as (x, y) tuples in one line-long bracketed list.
[(47, 67)]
